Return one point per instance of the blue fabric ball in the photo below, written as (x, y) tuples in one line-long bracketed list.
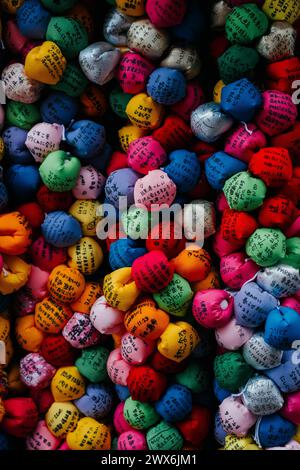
[(175, 404), (221, 166), (59, 108), (273, 431), (61, 229), (282, 328), (191, 29), (123, 252), (220, 393), (122, 392), (87, 138), (166, 86), (184, 169), (252, 305), (14, 141), (96, 402), (23, 182), (241, 100), (32, 19), (121, 183), (287, 375), (100, 162)]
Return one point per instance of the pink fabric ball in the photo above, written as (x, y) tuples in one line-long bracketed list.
[(232, 336), (117, 369), (80, 333), (90, 183), (146, 154), (35, 372), (236, 269), (106, 319), (37, 283), (213, 308), (42, 439), (154, 188), (235, 417), (132, 440), (245, 141), (120, 422), (135, 350), (44, 138)]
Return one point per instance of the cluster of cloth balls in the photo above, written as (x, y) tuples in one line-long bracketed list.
[(132, 341)]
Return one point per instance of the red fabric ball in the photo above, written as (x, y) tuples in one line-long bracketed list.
[(43, 398), (174, 134), (118, 160), (162, 237), (146, 384), (45, 256), (277, 212), (195, 427), (21, 416), (292, 188), (51, 201), (283, 74), (152, 272), (290, 141), (273, 165), (165, 365), (237, 226), (56, 350), (33, 213)]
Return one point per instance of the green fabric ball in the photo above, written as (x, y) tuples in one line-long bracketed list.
[(68, 34), (237, 62), (139, 415), (244, 193), (195, 377), (73, 81), (92, 363), (118, 101), (176, 297), (266, 246), (22, 115), (292, 252), (164, 437), (231, 371), (59, 171), (136, 222), (58, 6), (245, 24)]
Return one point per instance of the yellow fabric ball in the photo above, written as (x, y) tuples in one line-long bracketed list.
[(45, 63), (88, 214), (178, 341), (89, 435), (62, 418), (67, 384), (120, 290), (86, 255), (144, 112)]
